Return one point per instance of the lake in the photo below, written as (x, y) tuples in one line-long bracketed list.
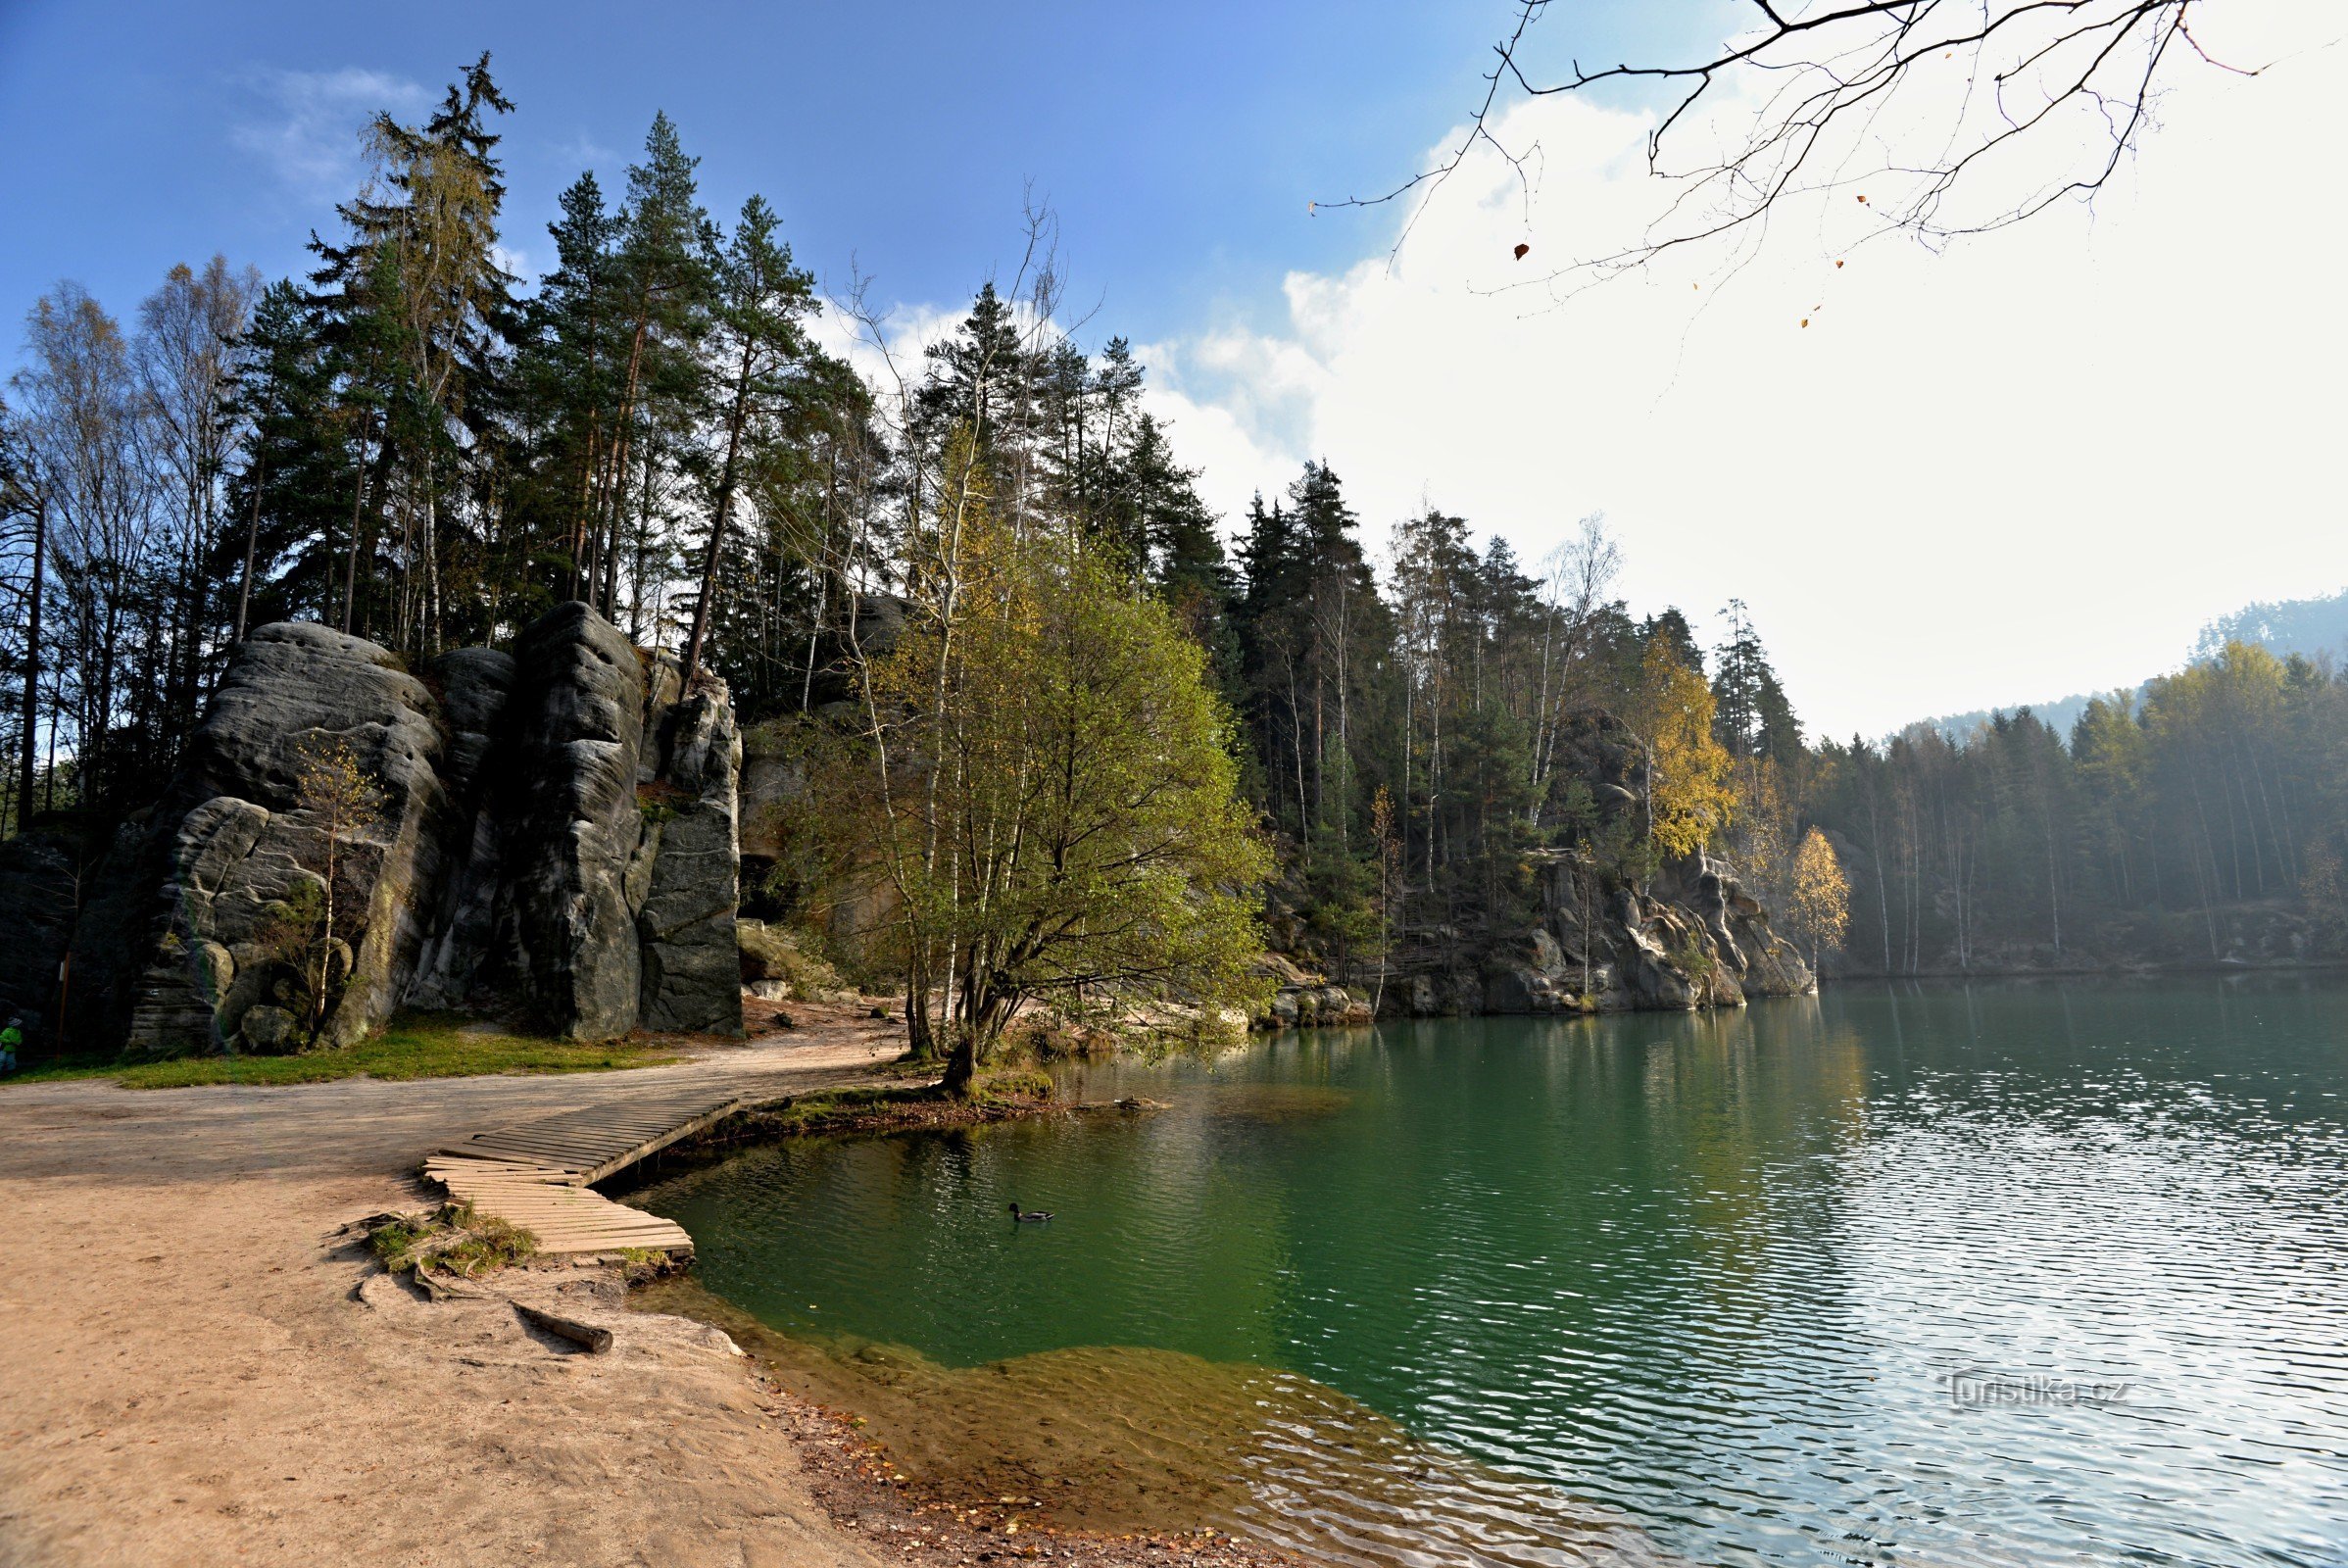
[(1942, 1274)]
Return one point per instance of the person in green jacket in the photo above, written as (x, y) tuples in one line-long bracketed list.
[(10, 1039)]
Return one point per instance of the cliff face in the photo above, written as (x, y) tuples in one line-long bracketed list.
[(1692, 938), (1598, 939), (549, 835)]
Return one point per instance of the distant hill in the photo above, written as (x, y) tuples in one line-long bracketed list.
[(2310, 626), (2285, 626)]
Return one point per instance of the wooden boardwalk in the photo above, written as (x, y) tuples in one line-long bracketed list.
[(536, 1174)]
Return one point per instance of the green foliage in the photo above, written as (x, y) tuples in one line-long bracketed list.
[(2216, 791), (403, 448), (1340, 904), (1014, 1085), (1059, 811), (1693, 957)]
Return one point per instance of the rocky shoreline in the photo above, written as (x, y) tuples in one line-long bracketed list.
[(1689, 937)]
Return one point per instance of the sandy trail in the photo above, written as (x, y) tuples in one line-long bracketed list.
[(195, 1369)]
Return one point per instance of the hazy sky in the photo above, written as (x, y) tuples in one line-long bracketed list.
[(2034, 464)]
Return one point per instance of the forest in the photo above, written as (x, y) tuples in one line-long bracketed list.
[(409, 444)]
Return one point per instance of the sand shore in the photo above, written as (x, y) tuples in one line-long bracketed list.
[(199, 1371)]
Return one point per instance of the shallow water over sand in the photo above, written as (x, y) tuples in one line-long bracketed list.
[(2000, 1274)]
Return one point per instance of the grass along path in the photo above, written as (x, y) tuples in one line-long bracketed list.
[(412, 1046)]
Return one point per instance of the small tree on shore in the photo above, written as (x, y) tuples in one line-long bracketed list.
[(1067, 819), (1822, 894)]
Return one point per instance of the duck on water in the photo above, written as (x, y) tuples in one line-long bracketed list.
[(1030, 1216)]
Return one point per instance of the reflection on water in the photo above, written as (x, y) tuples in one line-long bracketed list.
[(1715, 1276)]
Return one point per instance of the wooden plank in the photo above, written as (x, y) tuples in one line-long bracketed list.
[(527, 1141), (685, 1129), (536, 1174)]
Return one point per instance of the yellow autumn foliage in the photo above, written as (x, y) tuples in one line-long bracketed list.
[(1689, 793), (1822, 894)]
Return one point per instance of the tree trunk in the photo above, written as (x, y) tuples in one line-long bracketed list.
[(244, 592), (961, 1065), (350, 579), (32, 659), (735, 418)]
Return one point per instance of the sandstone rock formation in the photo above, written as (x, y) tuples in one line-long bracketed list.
[(1600, 937), (549, 835), (1692, 938)]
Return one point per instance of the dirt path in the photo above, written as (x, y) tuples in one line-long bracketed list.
[(196, 1370)]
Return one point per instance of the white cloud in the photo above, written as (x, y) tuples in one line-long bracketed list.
[(905, 332), (2033, 464), (305, 125)]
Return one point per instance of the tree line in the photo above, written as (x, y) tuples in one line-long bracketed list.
[(409, 445), (2219, 788)]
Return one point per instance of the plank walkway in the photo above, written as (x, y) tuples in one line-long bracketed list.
[(538, 1174)]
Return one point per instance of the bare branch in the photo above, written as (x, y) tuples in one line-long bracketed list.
[(1950, 118)]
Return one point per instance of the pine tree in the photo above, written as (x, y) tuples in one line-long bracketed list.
[(760, 304), (662, 275), (286, 500), (567, 386), (421, 267)]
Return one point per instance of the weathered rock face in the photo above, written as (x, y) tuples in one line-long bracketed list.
[(1691, 936), (685, 920), (474, 685), (248, 918), (577, 719), (549, 834), (1694, 938)]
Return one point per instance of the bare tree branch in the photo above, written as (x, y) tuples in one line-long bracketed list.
[(1943, 118)]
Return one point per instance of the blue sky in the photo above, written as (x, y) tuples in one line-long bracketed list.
[(2032, 466), (1179, 144)]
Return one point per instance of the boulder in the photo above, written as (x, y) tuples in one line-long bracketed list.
[(245, 846), (551, 833), (267, 1029)]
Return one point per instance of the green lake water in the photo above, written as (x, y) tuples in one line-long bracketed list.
[(2015, 1273)]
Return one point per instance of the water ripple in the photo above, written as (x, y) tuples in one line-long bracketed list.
[(1931, 1276)]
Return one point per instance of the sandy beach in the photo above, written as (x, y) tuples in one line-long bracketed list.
[(199, 1368)]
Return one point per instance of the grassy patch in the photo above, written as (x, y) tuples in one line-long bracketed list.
[(1013, 1086), (995, 1097), (413, 1046), (454, 1237)]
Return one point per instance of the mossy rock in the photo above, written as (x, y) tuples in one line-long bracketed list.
[(771, 954)]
